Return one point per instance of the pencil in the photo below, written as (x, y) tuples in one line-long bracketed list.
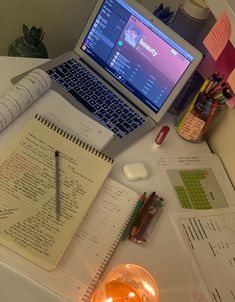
[(57, 185)]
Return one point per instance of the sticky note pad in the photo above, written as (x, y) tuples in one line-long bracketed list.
[(219, 36)]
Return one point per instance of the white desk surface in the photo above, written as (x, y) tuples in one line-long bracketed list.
[(163, 256)]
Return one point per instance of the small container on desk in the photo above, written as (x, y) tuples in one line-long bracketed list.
[(127, 283), (200, 116)]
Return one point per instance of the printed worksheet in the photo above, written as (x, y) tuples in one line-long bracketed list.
[(210, 238), (196, 182)]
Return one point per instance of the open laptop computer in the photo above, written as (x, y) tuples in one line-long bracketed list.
[(125, 71)]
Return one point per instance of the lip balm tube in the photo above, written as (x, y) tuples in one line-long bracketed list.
[(161, 136)]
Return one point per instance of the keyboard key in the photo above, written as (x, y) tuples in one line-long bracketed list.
[(99, 115), (55, 76), (50, 72), (120, 120), (60, 81), (123, 129), (66, 86), (65, 65), (61, 74), (81, 100)]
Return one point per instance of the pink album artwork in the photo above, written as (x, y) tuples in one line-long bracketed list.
[(154, 50)]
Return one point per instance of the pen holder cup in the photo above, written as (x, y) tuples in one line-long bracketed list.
[(199, 117), (127, 282)]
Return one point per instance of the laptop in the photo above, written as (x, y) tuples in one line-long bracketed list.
[(125, 71)]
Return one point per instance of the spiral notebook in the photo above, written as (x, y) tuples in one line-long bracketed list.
[(28, 220), (90, 250)]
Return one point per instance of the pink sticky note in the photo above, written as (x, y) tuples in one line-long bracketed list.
[(231, 80), (231, 102), (219, 36)]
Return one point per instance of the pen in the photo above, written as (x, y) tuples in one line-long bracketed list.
[(57, 184), (134, 216), (182, 120), (217, 88), (211, 115)]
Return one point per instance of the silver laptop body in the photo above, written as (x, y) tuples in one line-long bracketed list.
[(128, 60)]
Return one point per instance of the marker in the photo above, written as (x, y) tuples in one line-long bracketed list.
[(161, 136), (204, 85), (211, 116), (195, 99)]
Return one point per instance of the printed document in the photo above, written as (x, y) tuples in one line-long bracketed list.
[(209, 237)]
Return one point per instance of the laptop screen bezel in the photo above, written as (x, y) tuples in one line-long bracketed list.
[(121, 88)]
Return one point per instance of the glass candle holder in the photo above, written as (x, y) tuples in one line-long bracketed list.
[(127, 283), (201, 115)]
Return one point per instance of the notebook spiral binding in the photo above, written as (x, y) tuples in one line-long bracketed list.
[(73, 138), (105, 262)]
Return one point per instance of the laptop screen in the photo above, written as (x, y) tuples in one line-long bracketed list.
[(137, 53)]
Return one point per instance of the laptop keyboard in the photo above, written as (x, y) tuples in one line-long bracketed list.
[(110, 110)]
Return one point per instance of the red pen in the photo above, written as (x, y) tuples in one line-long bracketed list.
[(161, 135)]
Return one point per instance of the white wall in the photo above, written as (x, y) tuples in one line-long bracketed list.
[(62, 21), (222, 142)]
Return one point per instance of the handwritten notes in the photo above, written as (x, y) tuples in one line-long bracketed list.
[(218, 37), (85, 259), (55, 108), (28, 223)]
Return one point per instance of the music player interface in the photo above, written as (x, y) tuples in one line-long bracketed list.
[(139, 57)]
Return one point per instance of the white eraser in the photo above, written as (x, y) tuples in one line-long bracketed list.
[(135, 171)]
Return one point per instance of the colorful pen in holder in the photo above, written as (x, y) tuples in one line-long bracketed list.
[(206, 109)]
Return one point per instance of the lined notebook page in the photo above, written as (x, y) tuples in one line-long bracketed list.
[(90, 250), (28, 223)]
